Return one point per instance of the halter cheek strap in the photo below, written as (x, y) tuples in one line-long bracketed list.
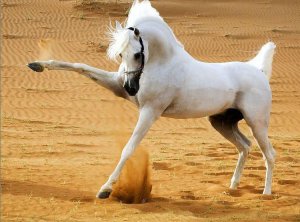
[(140, 70)]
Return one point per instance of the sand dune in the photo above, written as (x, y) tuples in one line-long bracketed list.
[(60, 131)]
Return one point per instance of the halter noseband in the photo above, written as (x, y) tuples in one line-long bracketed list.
[(139, 71)]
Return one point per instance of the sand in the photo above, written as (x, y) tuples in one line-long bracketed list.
[(60, 131)]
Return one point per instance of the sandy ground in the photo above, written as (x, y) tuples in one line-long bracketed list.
[(62, 133)]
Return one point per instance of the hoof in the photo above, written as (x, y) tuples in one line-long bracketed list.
[(36, 67), (104, 194)]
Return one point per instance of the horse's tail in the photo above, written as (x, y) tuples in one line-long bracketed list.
[(263, 60)]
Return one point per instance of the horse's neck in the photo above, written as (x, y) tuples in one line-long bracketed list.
[(163, 47), (162, 43)]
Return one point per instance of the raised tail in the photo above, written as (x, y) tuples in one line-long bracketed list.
[(263, 60)]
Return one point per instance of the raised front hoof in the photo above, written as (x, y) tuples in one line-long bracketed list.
[(36, 67), (103, 195)]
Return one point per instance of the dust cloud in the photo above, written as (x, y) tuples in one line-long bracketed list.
[(46, 49), (134, 184)]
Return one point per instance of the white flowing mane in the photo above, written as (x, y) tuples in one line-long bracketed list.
[(119, 36)]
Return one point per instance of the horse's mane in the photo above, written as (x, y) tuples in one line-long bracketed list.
[(119, 36)]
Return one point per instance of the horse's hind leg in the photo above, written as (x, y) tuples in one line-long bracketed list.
[(227, 125), (259, 127), (256, 110)]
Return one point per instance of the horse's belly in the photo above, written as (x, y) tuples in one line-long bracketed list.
[(195, 105)]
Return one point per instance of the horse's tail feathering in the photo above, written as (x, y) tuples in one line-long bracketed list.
[(263, 60)]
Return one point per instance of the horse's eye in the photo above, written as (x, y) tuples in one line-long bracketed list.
[(120, 55), (137, 56)]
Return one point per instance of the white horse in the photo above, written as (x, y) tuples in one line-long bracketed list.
[(162, 79)]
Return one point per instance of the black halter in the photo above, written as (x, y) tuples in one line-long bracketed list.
[(134, 76), (140, 70)]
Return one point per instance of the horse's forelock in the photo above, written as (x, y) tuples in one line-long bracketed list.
[(119, 39)]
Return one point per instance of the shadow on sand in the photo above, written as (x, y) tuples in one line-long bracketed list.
[(45, 191), (198, 207)]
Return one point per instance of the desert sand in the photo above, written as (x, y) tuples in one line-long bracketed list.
[(61, 134)]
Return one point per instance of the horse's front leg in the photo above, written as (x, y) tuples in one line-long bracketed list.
[(146, 118), (110, 80)]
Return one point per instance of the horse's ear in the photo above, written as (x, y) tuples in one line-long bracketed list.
[(135, 2), (118, 25), (136, 32)]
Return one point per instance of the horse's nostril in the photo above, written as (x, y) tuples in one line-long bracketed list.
[(132, 92)]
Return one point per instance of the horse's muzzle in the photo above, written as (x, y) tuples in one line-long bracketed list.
[(132, 84)]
